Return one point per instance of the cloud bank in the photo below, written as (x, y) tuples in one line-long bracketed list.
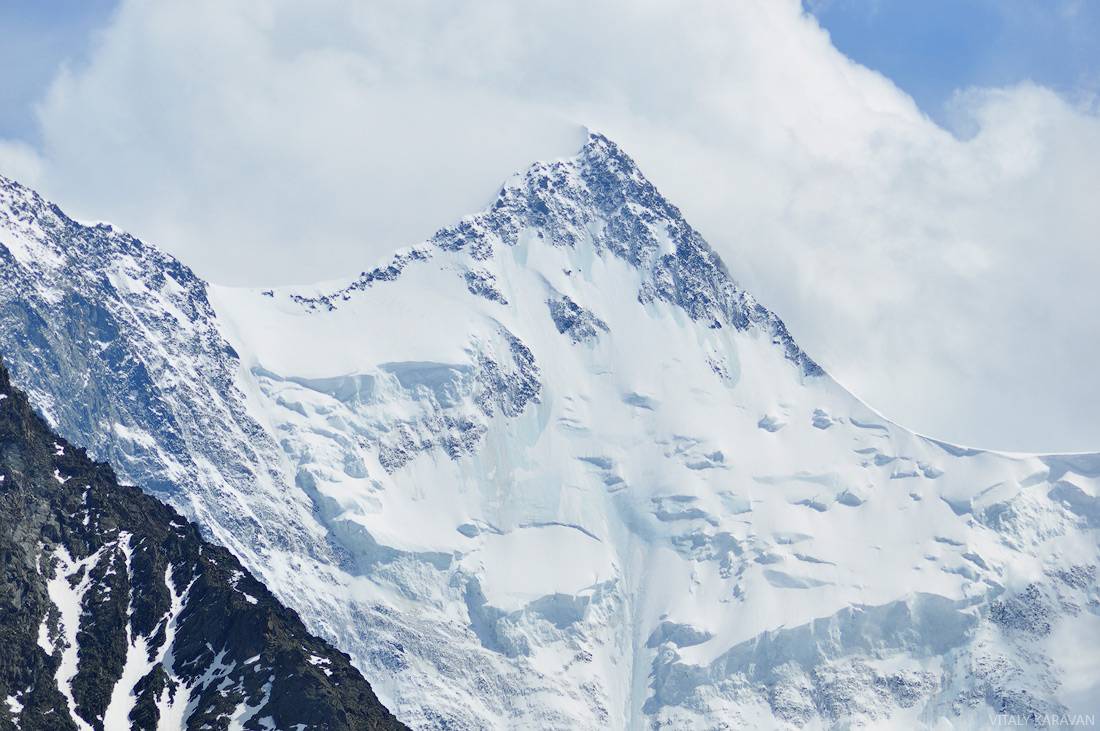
[(949, 282)]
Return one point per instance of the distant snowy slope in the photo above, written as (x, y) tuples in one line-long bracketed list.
[(554, 468)]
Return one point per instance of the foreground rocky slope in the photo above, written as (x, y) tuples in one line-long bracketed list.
[(115, 614), (554, 468)]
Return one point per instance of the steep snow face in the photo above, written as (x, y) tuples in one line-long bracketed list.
[(554, 468)]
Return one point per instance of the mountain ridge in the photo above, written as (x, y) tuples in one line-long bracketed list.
[(198, 640), (573, 373), (692, 275)]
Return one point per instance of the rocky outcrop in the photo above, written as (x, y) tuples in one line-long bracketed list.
[(115, 613)]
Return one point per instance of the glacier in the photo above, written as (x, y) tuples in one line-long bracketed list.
[(555, 468)]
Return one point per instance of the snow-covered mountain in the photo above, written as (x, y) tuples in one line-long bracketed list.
[(115, 614), (554, 468)]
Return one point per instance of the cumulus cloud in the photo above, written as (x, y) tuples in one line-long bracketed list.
[(949, 281)]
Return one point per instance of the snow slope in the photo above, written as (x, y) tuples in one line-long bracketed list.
[(553, 468)]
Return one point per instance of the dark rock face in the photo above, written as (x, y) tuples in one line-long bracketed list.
[(115, 613), (1027, 611), (483, 284), (573, 320)]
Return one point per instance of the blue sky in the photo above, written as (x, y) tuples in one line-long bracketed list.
[(38, 38), (931, 48)]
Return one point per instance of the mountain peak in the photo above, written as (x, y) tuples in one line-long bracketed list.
[(597, 201), (553, 467)]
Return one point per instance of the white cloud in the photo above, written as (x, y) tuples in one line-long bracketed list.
[(20, 161), (950, 282)]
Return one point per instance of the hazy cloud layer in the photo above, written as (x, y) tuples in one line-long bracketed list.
[(951, 284)]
